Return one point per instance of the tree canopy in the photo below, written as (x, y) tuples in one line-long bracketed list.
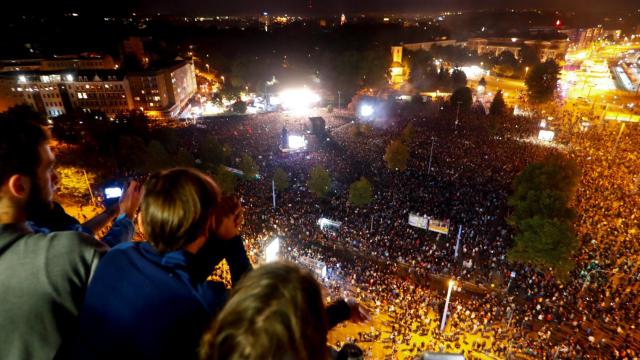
[(396, 155), (498, 106), (281, 179), (360, 192), (319, 181), (248, 166), (542, 80), (542, 216)]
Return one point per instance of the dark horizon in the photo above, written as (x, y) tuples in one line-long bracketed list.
[(311, 7)]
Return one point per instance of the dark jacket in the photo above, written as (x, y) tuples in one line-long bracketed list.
[(145, 305)]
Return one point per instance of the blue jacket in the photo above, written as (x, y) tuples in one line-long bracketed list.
[(141, 304)]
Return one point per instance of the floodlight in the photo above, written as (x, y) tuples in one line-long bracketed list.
[(298, 99), (366, 110)]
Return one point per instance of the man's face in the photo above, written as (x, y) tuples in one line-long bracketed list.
[(43, 186)]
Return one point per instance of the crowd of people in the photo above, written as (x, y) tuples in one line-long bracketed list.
[(461, 173), (376, 255)]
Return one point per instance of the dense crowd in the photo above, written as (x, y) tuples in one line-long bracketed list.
[(375, 255)]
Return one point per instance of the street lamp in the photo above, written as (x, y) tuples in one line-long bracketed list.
[(207, 65), (452, 283)]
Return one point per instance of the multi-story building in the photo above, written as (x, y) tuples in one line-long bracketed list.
[(54, 93), (589, 36), (65, 62), (161, 92), (551, 49), (164, 92)]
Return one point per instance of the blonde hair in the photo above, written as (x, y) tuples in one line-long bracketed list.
[(275, 312), (177, 206)]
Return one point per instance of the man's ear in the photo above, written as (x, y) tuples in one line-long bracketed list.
[(19, 186)]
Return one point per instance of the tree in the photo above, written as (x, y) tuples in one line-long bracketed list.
[(211, 152), (498, 106), (360, 192), (542, 217), (67, 128), (462, 96), (184, 158), (396, 155), (23, 112), (248, 166), (408, 133), (482, 82), (281, 179), (319, 181), (225, 180), (157, 157), (131, 153), (458, 78), (506, 64), (542, 81), (239, 107)]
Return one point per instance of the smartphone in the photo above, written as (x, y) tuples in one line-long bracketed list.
[(112, 195)]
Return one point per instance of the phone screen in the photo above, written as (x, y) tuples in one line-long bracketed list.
[(113, 192)]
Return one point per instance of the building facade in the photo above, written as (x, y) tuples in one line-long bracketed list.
[(164, 92)]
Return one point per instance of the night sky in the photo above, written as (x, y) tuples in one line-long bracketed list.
[(216, 7)]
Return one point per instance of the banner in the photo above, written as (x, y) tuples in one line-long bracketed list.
[(418, 221), (439, 226)]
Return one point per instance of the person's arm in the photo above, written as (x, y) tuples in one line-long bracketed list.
[(123, 229), (100, 221), (236, 256)]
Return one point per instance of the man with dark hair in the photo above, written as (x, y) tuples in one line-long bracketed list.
[(43, 277), (152, 300)]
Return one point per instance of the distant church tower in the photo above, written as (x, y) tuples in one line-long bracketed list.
[(398, 75)]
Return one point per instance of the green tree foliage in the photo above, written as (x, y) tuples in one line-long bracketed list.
[(462, 96), (319, 181), (506, 64), (542, 216), (211, 152), (67, 128), (396, 155), (498, 106), (130, 152), (360, 192), (184, 158), (23, 112), (542, 80), (458, 78), (248, 166), (281, 179), (423, 73), (408, 133), (157, 157), (225, 180), (239, 107)]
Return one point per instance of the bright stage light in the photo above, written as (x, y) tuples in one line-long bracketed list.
[(271, 251), (366, 110), (298, 99), (296, 142)]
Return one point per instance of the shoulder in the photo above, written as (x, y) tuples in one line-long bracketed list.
[(76, 240)]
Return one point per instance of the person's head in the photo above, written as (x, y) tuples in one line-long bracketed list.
[(26, 167), (350, 351), (275, 312), (178, 208)]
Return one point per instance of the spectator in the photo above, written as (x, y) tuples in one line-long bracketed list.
[(43, 277), (152, 300), (275, 312)]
